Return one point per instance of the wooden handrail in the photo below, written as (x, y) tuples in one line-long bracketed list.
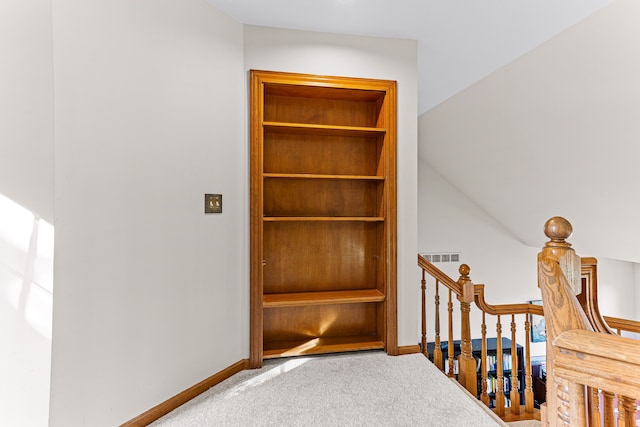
[(504, 309), (583, 354), (468, 373), (588, 296), (623, 324), (436, 273), (600, 361)]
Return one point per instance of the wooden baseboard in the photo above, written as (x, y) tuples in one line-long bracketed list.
[(408, 349), (183, 397)]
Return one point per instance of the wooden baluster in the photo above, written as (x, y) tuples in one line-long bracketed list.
[(577, 409), (594, 407), (450, 350), (528, 382), (627, 408), (484, 396), (500, 373), (608, 413), (423, 284), (437, 349), (515, 386), (563, 402), (467, 375), (620, 421)]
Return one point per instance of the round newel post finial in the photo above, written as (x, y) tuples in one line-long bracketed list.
[(558, 229), (464, 270)]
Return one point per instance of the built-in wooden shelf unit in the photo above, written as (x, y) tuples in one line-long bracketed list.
[(323, 215)]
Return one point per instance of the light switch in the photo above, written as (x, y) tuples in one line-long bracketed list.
[(213, 203)]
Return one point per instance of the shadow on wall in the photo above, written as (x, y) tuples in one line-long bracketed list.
[(26, 302)]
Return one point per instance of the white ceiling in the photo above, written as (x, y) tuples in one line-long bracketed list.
[(459, 41)]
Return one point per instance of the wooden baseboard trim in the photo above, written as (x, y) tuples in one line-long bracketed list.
[(408, 349), (183, 397)]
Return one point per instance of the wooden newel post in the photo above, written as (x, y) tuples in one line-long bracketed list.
[(561, 312), (467, 376)]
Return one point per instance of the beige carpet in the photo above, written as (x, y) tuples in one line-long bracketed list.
[(526, 423), (358, 389)]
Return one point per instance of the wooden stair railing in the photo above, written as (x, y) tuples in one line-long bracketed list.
[(588, 298), (467, 366), (585, 358), (514, 412), (568, 281)]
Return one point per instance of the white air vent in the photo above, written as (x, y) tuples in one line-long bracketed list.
[(442, 256)]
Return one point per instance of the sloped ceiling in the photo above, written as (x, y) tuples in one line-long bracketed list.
[(459, 41), (556, 132)]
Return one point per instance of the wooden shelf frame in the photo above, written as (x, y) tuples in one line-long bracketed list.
[(303, 128), (356, 119), (324, 218), (323, 345), (296, 299), (321, 176)]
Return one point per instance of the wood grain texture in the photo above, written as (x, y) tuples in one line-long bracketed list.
[(607, 362), (627, 325), (408, 349), (323, 345), (583, 354), (183, 397), (504, 309), (297, 299), (390, 204), (588, 296), (325, 210), (321, 256), (316, 153), (299, 197), (319, 321), (256, 214)]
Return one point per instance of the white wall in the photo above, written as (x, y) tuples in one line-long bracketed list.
[(527, 142), (26, 105), (151, 294), (636, 276), (617, 288), (331, 54), (450, 222), (26, 211)]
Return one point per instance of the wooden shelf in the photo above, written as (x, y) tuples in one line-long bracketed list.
[(328, 130), (323, 215), (317, 87), (319, 176), (321, 345), (315, 298), (324, 218)]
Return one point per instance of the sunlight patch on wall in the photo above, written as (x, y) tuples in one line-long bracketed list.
[(26, 261)]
